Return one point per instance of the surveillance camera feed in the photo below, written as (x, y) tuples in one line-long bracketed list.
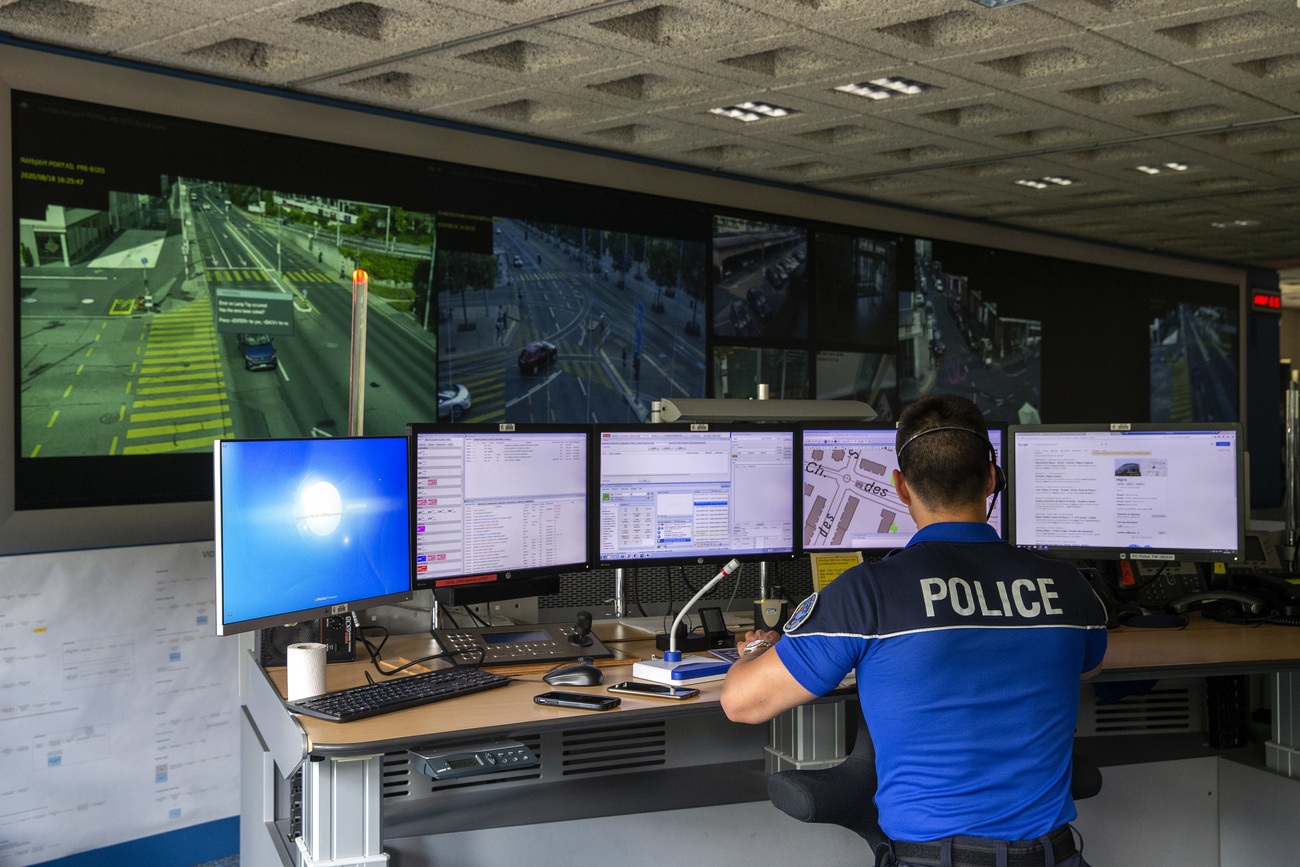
[(953, 339), (855, 289), (172, 290), (760, 279), (1193, 362), (869, 377), (554, 323), (208, 308)]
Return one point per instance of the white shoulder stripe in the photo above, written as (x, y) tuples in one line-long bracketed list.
[(936, 629)]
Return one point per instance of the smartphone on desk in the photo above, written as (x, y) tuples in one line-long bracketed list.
[(581, 700), (654, 690)]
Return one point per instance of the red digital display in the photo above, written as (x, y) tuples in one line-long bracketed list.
[(1267, 302)]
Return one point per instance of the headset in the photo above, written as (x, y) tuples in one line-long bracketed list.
[(999, 477)]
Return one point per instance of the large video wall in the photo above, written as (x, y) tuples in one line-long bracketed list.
[(179, 281)]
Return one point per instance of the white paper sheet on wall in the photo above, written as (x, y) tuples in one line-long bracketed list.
[(118, 702)]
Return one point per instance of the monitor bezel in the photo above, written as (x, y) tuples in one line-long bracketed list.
[(1004, 496), (1158, 555), (467, 582), (314, 612), (693, 560)]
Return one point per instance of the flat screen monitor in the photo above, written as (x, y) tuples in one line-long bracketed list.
[(498, 503), (1135, 491), (849, 499), (678, 494), (309, 528)]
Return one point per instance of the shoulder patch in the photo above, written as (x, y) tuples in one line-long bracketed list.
[(800, 614)]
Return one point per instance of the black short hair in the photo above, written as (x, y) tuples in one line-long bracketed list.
[(947, 469)]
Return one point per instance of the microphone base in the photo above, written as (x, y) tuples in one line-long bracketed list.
[(694, 669)]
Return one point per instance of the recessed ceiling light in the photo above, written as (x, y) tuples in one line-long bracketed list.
[(886, 88), (1044, 183), (1163, 168), (1234, 224), (748, 112)]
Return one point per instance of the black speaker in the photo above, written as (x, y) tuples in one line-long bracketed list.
[(271, 646)]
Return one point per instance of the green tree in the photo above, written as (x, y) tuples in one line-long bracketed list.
[(458, 272), (663, 264)]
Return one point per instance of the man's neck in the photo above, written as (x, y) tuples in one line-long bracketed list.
[(925, 517)]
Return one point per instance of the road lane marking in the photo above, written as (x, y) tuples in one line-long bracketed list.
[(67, 391), (176, 446), (52, 418), (80, 367), (199, 386), (179, 413), (112, 449), (183, 377), (534, 389), (36, 451), (180, 399), (173, 429), (179, 368), (279, 365), (121, 412)]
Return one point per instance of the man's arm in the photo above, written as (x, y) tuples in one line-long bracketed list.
[(758, 685)]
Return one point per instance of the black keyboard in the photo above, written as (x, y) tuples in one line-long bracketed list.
[(398, 693)]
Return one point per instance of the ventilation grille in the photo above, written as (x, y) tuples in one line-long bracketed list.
[(1170, 706), (616, 748), (648, 585), (396, 774)]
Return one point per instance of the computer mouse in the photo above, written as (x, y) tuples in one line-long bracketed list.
[(580, 674)]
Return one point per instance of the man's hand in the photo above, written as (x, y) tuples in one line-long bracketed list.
[(758, 685), (754, 635)]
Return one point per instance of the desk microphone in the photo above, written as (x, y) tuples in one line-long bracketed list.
[(693, 669)]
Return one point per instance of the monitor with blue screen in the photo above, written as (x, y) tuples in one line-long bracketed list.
[(307, 528), (1160, 492), (849, 500)]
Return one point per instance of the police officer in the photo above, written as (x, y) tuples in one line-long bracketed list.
[(968, 654)]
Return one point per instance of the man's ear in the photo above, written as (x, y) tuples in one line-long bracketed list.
[(900, 485)]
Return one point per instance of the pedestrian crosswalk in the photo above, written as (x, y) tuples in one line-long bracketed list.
[(237, 275), (179, 399), (545, 275), (257, 275)]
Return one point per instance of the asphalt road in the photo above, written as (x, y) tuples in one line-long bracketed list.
[(589, 320)]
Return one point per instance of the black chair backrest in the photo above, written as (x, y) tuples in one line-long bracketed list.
[(845, 794)]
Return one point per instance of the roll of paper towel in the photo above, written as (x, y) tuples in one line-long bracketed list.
[(306, 670)]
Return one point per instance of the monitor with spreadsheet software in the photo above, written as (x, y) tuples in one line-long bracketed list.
[(498, 507), (849, 500), (679, 494), (1160, 492), (307, 528)]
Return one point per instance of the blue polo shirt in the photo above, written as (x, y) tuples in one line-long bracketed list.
[(968, 653)]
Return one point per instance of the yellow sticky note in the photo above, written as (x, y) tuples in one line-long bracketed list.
[(827, 567), (1220, 568)]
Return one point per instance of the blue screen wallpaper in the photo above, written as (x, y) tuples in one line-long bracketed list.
[(310, 523)]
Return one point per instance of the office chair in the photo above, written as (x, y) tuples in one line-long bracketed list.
[(845, 794)]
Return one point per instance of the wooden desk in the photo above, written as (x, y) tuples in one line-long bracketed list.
[(651, 746), (1203, 649), (487, 713)]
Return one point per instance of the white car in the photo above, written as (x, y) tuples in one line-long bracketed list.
[(453, 402)]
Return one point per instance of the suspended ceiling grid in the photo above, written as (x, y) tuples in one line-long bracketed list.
[(1079, 90)]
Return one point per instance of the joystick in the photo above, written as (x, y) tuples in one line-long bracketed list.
[(581, 628)]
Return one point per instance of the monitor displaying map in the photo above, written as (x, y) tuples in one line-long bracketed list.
[(849, 499)]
